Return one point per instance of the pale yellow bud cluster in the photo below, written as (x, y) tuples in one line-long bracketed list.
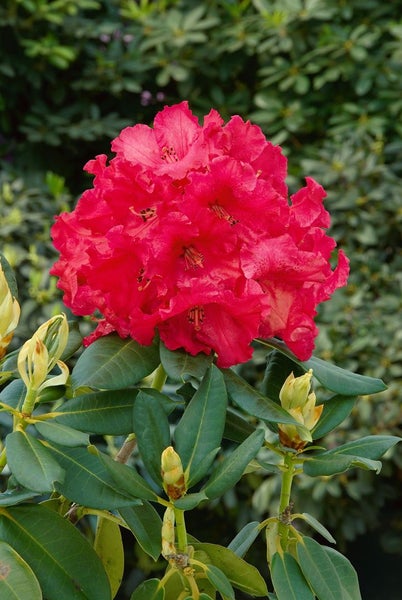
[(300, 403), (172, 473), (40, 354), (9, 314), (168, 533)]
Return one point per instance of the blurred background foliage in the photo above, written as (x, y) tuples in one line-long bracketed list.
[(323, 78)]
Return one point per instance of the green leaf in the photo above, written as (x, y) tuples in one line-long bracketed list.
[(181, 366), (151, 589), (190, 501), (146, 525), (111, 363), (230, 470), (127, 479), (331, 464), (336, 409), (63, 561), (219, 580), (9, 275), (199, 432), (332, 377), (328, 581), (87, 480), (323, 531), (151, 427), (288, 580), (241, 574), (14, 394), (17, 580), (74, 341), (16, 495), (370, 446), (244, 539), (104, 413), (279, 366), (253, 402), (61, 434), (108, 545), (31, 463), (237, 428)]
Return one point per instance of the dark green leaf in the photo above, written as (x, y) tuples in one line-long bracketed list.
[(321, 569), (219, 581), (149, 590), (241, 574), (332, 377), (104, 413), (111, 363), (237, 428), (17, 580), (16, 495), (230, 470), (279, 366), (61, 558), (336, 409), (87, 480), (61, 434), (31, 463), (127, 479), (190, 501), (370, 446), (243, 540), (199, 432), (181, 366), (288, 580), (326, 464), (146, 525), (152, 430), (9, 275), (74, 341), (323, 531), (14, 394), (253, 402)]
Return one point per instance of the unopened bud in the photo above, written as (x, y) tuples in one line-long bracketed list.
[(168, 535), (297, 400), (172, 474), (9, 314), (54, 334), (32, 363)]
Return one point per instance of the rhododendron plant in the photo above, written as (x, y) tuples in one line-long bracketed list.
[(189, 231)]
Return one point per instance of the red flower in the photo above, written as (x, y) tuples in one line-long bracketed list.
[(188, 230)]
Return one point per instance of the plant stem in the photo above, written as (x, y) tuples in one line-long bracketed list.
[(180, 531), (159, 379), (287, 480), (29, 402)]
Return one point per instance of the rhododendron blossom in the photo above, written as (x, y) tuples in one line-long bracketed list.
[(188, 231)]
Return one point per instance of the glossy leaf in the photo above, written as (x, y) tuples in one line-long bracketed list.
[(61, 434), (323, 574), (108, 545), (87, 480), (330, 464), (9, 275), (104, 413), (241, 574), (199, 432), (128, 479), (335, 411), (370, 446), (230, 470), (190, 501), (237, 428), (219, 581), (253, 402), (31, 463), (63, 561), (181, 366), (111, 363), (244, 539), (146, 525), (151, 427), (149, 590), (288, 580), (279, 366), (16, 495), (17, 580), (14, 393), (332, 377)]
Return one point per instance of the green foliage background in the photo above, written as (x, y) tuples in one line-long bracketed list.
[(321, 77)]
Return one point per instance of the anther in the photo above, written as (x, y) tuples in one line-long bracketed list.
[(196, 317), (193, 258)]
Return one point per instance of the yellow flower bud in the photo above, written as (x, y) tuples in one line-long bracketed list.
[(172, 474), (54, 334), (9, 314), (168, 534), (297, 400), (32, 363)]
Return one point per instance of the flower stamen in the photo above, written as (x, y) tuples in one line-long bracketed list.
[(169, 154), (196, 316), (142, 281), (193, 258), (222, 213)]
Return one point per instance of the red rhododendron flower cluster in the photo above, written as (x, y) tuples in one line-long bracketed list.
[(188, 230)]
